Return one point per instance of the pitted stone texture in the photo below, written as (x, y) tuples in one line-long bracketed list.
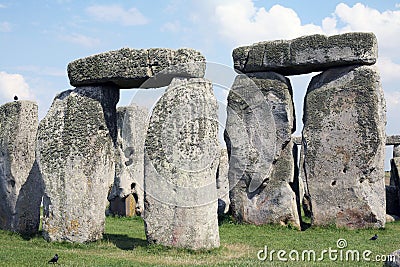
[(21, 188), (75, 153), (343, 143), (223, 183), (129, 174), (258, 135), (132, 68), (181, 160), (307, 54)]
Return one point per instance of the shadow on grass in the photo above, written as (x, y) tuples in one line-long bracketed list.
[(125, 242), (29, 236)]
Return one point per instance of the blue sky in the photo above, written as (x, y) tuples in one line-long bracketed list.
[(39, 38)]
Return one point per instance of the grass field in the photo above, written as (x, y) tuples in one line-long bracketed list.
[(124, 244)]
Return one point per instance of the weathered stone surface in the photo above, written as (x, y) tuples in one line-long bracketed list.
[(129, 174), (307, 54), (393, 259), (223, 183), (396, 151), (75, 153), (258, 132), (131, 68), (343, 143), (21, 188), (181, 160), (392, 140)]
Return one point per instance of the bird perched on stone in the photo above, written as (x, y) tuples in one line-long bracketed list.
[(54, 259), (15, 98), (375, 237)]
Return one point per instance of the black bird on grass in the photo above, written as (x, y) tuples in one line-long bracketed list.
[(375, 237), (54, 259), (15, 98)]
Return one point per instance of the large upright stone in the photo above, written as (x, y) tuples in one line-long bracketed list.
[(343, 144), (307, 54), (181, 160), (132, 68), (223, 182), (75, 153), (129, 174), (393, 190), (258, 135), (21, 188)]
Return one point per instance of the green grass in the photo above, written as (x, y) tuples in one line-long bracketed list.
[(124, 244)]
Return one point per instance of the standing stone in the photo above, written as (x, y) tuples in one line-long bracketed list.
[(258, 135), (181, 160), (392, 200), (223, 183), (123, 206), (21, 188), (129, 173), (75, 153), (396, 151), (343, 143), (393, 190)]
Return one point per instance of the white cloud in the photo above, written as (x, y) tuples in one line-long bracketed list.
[(2, 6), (172, 26), (389, 70), (243, 23), (115, 13), (392, 106), (80, 39), (13, 84), (385, 25), (5, 26)]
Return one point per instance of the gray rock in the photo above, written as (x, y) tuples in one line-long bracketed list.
[(223, 183), (181, 160), (125, 207), (132, 68), (395, 172), (21, 188), (307, 54), (392, 200), (343, 143), (393, 259), (129, 174), (304, 195), (395, 184), (75, 153), (258, 132), (396, 151), (392, 140)]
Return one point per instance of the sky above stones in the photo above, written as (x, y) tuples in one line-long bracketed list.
[(39, 38)]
